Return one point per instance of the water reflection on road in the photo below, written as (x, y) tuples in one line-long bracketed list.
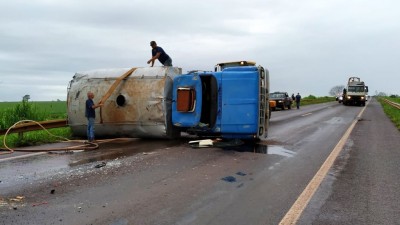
[(261, 148)]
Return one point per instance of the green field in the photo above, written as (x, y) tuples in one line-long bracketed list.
[(394, 99), (12, 112), (309, 100), (53, 108)]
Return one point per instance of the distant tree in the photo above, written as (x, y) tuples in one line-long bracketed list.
[(380, 94), (311, 97), (26, 98), (336, 90)]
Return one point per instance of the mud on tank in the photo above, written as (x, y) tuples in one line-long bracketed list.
[(140, 106)]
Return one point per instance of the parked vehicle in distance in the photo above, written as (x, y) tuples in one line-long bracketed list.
[(355, 92), (281, 99)]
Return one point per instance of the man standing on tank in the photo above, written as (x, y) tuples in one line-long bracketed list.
[(159, 53), (90, 115)]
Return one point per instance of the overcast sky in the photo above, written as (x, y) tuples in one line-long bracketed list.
[(308, 46)]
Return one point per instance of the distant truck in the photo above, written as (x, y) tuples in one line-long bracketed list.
[(161, 102), (280, 100), (355, 93)]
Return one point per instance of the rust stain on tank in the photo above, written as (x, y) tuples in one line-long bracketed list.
[(143, 102)]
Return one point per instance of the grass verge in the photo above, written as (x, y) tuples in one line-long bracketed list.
[(39, 137), (309, 100), (392, 112)]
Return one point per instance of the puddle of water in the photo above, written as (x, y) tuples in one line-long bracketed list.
[(278, 150), (26, 170), (29, 169), (121, 221), (335, 120), (262, 149), (119, 149)]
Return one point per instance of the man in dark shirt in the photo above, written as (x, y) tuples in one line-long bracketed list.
[(159, 53), (90, 115), (298, 98)]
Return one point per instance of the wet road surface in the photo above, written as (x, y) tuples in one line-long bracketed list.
[(136, 181)]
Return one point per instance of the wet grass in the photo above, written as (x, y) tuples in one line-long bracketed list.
[(33, 138), (12, 112), (392, 112), (52, 109)]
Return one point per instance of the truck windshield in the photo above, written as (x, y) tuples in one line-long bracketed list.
[(273, 95), (356, 89)]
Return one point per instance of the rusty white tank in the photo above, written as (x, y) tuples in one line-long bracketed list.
[(140, 106)]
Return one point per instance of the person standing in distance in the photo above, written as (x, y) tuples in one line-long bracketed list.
[(159, 53), (298, 98), (90, 115)]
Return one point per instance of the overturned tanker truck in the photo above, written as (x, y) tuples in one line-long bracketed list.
[(161, 102)]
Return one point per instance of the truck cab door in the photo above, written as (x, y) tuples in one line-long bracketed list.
[(186, 100)]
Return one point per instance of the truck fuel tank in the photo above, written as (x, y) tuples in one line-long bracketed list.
[(140, 106)]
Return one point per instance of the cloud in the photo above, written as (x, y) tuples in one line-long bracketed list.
[(307, 46)]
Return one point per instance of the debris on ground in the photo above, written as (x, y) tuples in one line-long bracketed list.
[(229, 179), (148, 153), (40, 203), (201, 143), (100, 165), (17, 199), (241, 173), (219, 143)]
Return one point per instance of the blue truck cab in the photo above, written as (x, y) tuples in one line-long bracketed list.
[(230, 102)]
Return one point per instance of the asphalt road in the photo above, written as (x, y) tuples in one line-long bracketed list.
[(167, 182)]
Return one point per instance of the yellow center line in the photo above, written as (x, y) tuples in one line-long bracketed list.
[(300, 204)]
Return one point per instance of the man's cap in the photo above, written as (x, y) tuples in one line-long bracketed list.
[(152, 43)]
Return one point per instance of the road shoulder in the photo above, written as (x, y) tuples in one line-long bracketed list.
[(363, 185)]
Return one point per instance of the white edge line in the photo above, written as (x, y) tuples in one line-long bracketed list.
[(22, 156)]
